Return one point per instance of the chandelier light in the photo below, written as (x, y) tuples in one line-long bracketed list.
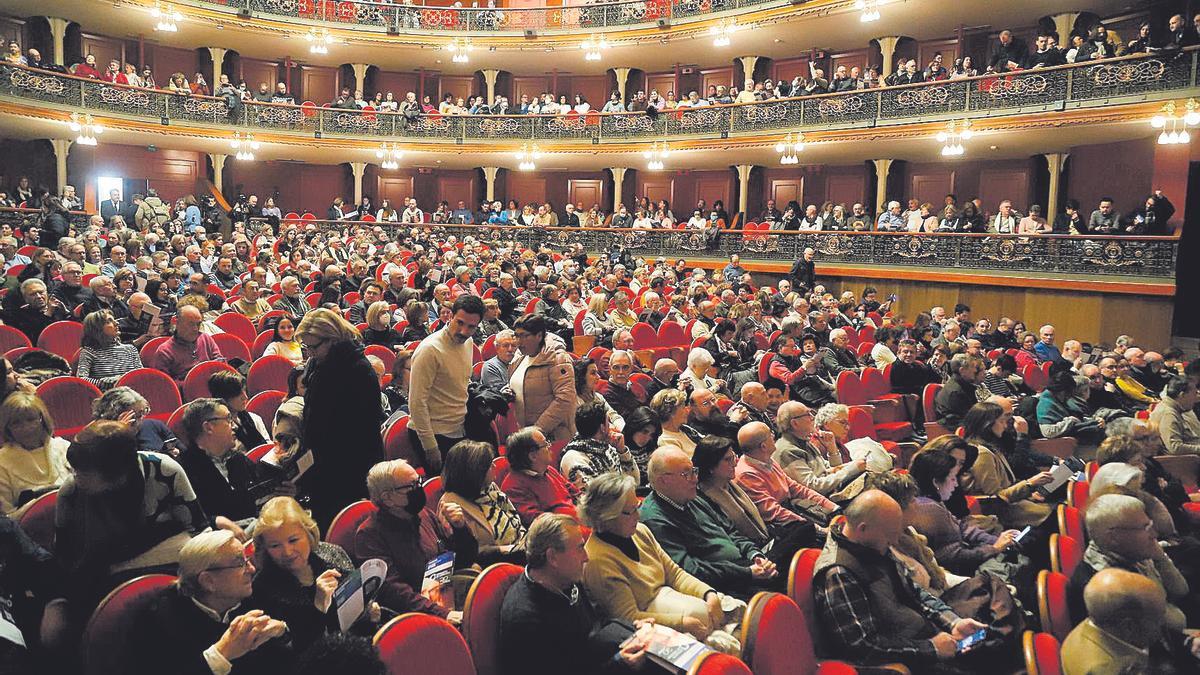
[(790, 148), (390, 154), (168, 19), (1175, 126), (656, 155), (85, 128), (527, 157), (318, 42), (870, 10), (245, 146), (593, 48), (952, 138), (460, 50), (723, 31)]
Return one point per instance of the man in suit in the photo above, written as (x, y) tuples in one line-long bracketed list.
[(113, 206), (220, 475)]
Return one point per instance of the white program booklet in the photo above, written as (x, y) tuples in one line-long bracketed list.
[(356, 591)]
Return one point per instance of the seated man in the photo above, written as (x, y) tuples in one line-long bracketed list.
[(753, 407), (70, 290), (407, 533), (779, 499), (958, 394), (1176, 417), (187, 347), (202, 624), (666, 376), (547, 622), (219, 474), (494, 374), (868, 610), (37, 311), (1123, 629), (706, 416), (103, 296), (135, 328), (1123, 536), (596, 448), (997, 381), (699, 538), (801, 450), (619, 393), (801, 368), (370, 292), (909, 376), (837, 356)]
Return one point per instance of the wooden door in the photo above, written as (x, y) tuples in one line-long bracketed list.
[(996, 185), (454, 189), (318, 85), (462, 86), (256, 72), (105, 49), (586, 192), (663, 82), (529, 86), (932, 186), (784, 190), (656, 188), (395, 189), (526, 189), (843, 189), (721, 77)]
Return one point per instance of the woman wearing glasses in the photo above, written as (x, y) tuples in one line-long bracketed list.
[(32, 459), (533, 484)]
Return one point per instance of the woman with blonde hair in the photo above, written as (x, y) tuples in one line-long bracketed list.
[(342, 413), (597, 321), (379, 326), (297, 572), (103, 358), (32, 459)]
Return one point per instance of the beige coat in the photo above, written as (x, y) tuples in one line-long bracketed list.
[(992, 476), (544, 385)]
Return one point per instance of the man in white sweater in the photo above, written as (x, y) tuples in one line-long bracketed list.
[(437, 390)]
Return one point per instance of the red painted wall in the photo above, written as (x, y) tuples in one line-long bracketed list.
[(300, 186), (1123, 171), (173, 173)]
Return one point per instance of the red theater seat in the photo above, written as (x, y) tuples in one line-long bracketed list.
[(345, 524), (159, 390), (423, 643), (107, 638), (69, 400), (481, 614)]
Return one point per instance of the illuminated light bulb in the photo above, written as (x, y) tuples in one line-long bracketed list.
[(1192, 118), (1184, 137), (1158, 121), (1163, 138)]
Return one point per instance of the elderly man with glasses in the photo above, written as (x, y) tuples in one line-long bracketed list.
[(204, 623)]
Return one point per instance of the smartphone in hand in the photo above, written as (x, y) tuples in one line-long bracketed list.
[(971, 641)]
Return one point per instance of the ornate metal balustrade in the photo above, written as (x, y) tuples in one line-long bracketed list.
[(1122, 80), (22, 219), (1100, 256), (397, 17)]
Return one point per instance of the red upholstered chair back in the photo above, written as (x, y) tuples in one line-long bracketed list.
[(11, 338), (345, 524), (500, 468), (384, 354), (433, 489), (800, 578), (481, 614), (927, 398), (1070, 522), (861, 424), (849, 389), (269, 373), (38, 520), (1052, 603), (1042, 654), (237, 325), (106, 637), (396, 444), (1077, 493), (775, 637), (62, 338), (69, 400), (148, 349), (265, 404), (764, 367), (423, 643), (1065, 554), (670, 334), (644, 336), (875, 384), (232, 346), (174, 422), (195, 383), (260, 343), (159, 390)]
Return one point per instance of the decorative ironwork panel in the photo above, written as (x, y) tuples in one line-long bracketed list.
[(290, 118), (516, 126), (1116, 256), (703, 120), (194, 109), (355, 123), (579, 128), (767, 115), (430, 126), (125, 100), (842, 109), (633, 125), (41, 86), (1018, 90), (931, 99), (1121, 78)]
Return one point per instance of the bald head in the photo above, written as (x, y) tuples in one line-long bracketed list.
[(755, 396), (668, 469), (665, 369), (755, 439), (874, 520), (1002, 401), (1125, 603)]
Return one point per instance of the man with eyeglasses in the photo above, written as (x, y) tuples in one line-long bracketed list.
[(696, 536), (407, 532), (221, 477), (70, 291), (204, 623), (780, 500)]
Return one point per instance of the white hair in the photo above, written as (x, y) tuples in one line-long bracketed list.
[(1116, 473), (828, 412), (699, 356), (198, 555)]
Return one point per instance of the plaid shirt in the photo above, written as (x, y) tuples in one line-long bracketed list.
[(845, 609)]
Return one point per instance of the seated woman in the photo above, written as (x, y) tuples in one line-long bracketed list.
[(396, 391), (249, 428), (407, 533), (992, 476), (32, 460), (379, 326), (533, 484), (416, 313), (983, 597), (672, 409), (1137, 442), (960, 546), (121, 510), (297, 572), (597, 321), (469, 482), (587, 378), (122, 404), (642, 429), (284, 342), (103, 358), (629, 575)]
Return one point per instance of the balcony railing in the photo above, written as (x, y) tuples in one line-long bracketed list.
[(1095, 256), (23, 219), (396, 17), (1120, 80)]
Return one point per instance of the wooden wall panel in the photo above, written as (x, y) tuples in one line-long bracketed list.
[(593, 87), (168, 60), (532, 86), (857, 57), (255, 72), (397, 83), (845, 188), (12, 29), (932, 186), (526, 189), (317, 84), (790, 68), (394, 189), (663, 82), (105, 49), (462, 86), (1123, 171), (454, 189), (996, 185), (715, 77), (586, 192), (784, 190), (655, 188), (711, 188), (926, 50)]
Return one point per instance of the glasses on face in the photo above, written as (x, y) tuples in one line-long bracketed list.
[(690, 474), (226, 418), (241, 565)]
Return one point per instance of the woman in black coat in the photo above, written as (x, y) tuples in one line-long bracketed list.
[(55, 223), (342, 411)]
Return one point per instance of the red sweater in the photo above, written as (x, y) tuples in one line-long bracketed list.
[(533, 496)]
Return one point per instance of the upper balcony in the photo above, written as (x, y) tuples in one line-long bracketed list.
[(1096, 84)]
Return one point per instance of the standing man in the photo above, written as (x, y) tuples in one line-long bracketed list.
[(441, 369), (804, 272)]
